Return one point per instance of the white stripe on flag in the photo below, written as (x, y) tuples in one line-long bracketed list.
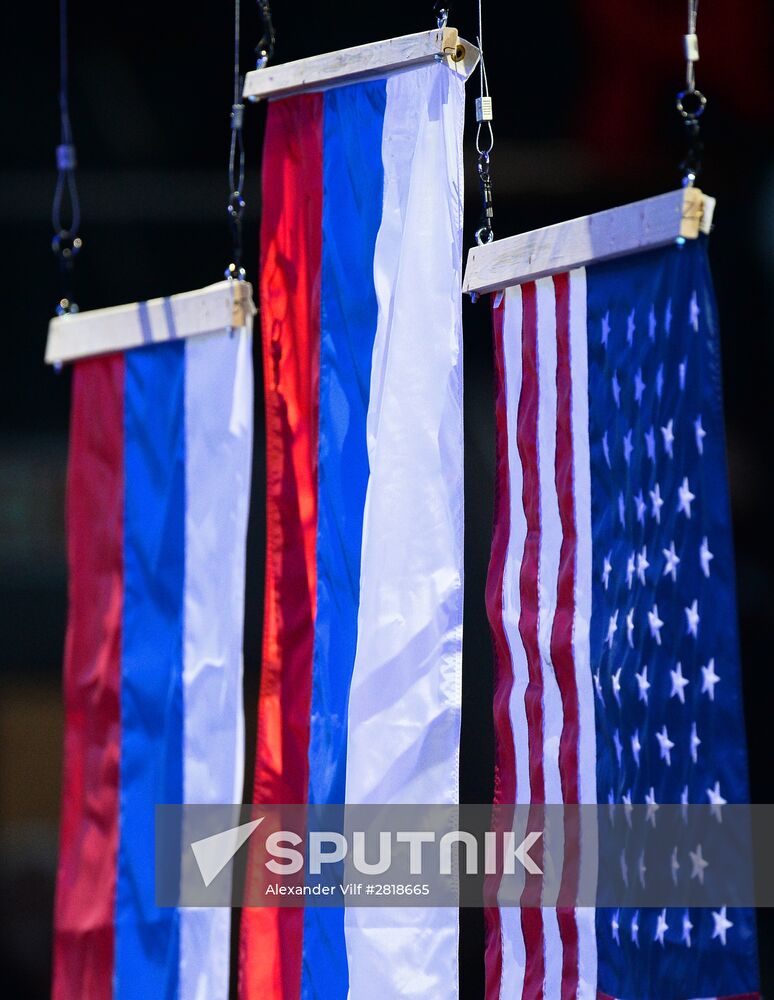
[(510, 916), (548, 575), (218, 429), (404, 709), (587, 739)]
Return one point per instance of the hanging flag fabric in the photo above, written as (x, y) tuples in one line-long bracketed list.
[(158, 492), (361, 671), (611, 600)]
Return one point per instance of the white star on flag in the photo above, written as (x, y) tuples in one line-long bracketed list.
[(692, 619), (630, 627), (655, 624), (639, 386), (686, 498), (716, 802), (665, 745), (615, 680), (612, 628), (722, 925), (709, 679), (614, 927), (606, 449), (705, 556), (698, 864), (694, 307), (661, 928), (636, 928), (674, 865), (641, 506), (636, 747), (628, 447), (626, 798), (687, 928), (700, 434), (650, 444), (607, 569), (672, 561), (643, 684), (650, 802), (630, 571), (642, 564), (605, 328), (642, 869), (679, 683), (656, 503), (630, 328), (669, 438)]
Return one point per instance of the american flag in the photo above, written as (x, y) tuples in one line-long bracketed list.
[(611, 599)]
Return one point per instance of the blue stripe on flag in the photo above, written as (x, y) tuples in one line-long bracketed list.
[(353, 180), (147, 938)]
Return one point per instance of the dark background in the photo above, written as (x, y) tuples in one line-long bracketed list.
[(584, 120)]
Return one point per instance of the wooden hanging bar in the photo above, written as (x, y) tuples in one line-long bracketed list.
[(220, 307), (642, 225), (362, 62)]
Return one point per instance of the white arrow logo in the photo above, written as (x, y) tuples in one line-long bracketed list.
[(214, 853)]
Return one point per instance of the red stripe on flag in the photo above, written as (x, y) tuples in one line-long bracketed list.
[(505, 765), (291, 248), (86, 878), (527, 440), (562, 655), (562, 631)]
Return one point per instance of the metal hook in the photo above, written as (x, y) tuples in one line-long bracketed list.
[(442, 13)]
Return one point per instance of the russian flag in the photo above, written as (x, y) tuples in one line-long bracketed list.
[(362, 348), (158, 492)]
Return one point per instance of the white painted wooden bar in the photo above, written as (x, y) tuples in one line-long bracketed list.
[(362, 62), (222, 306), (642, 225)]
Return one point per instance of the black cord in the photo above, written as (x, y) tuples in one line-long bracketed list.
[(264, 50), (484, 143), (691, 102), (66, 241), (236, 158)]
